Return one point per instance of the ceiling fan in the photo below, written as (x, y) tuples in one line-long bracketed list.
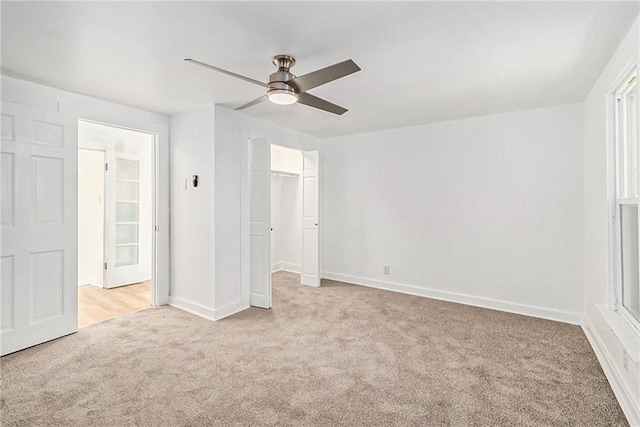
[(284, 88)]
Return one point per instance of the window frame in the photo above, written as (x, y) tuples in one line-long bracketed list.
[(626, 182)]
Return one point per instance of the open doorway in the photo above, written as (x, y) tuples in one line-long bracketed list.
[(286, 210), (115, 221)]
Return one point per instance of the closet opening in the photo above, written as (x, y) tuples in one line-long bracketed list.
[(286, 210), (282, 229)]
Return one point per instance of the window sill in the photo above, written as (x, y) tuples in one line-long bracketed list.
[(627, 334)]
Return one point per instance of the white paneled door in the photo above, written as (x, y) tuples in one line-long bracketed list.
[(310, 239), (259, 220), (38, 253)]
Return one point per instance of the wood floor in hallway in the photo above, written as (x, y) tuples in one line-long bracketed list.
[(96, 305)]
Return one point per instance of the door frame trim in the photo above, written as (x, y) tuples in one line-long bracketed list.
[(99, 147), (159, 258)]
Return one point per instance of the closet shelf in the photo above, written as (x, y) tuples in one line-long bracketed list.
[(283, 173)]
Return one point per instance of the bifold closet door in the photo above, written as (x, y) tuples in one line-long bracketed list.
[(310, 236), (259, 222)]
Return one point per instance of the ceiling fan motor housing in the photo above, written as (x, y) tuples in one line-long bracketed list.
[(278, 80)]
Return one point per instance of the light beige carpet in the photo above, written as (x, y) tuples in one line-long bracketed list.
[(335, 355)]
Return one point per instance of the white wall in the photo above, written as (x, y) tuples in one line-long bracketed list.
[(486, 211), (286, 221), (192, 212), (286, 160), (276, 221), (286, 209), (90, 217), (290, 237), (597, 154), (209, 249)]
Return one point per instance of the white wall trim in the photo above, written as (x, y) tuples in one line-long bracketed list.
[(510, 307), (192, 307), (229, 309), (630, 408), (286, 266), (275, 267), (622, 329), (206, 312), (290, 267)]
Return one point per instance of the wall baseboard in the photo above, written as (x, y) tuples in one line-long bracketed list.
[(206, 312), (275, 267), (527, 310), (192, 307), (229, 309), (624, 396), (285, 266)]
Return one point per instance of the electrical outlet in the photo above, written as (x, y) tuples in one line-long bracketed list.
[(625, 360), (385, 269)]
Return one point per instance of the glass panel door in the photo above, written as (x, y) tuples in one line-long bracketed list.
[(127, 220)]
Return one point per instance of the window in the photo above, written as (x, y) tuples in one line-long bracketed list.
[(626, 148)]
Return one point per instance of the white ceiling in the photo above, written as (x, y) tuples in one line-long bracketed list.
[(421, 62)]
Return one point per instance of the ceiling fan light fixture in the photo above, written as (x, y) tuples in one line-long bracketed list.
[(284, 88), (282, 97)]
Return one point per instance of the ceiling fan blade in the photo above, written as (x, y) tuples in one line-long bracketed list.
[(321, 104), (325, 75), (254, 102), (229, 73)]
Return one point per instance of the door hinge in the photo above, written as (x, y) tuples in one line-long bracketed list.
[(157, 228), (105, 265), (106, 166)]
